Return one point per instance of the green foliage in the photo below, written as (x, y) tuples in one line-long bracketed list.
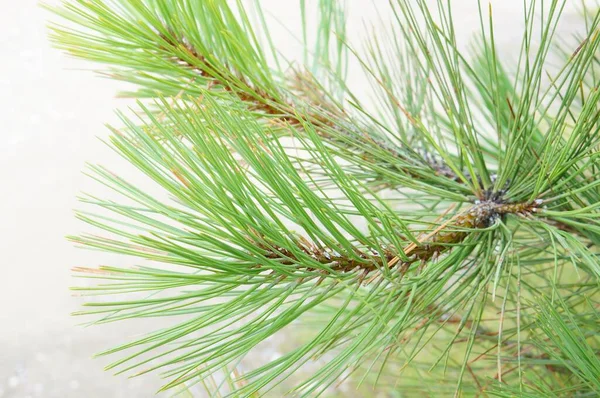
[(443, 243)]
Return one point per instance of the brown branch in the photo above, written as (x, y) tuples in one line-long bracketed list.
[(322, 113), (482, 215), (440, 240), (366, 261), (257, 98)]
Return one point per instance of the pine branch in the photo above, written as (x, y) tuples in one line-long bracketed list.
[(259, 99), (194, 67), (273, 215), (316, 109), (451, 233), (482, 215)]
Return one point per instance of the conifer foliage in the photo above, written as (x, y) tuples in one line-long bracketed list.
[(441, 240)]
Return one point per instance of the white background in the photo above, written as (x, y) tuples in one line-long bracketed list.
[(52, 111)]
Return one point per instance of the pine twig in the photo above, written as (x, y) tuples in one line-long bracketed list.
[(440, 240)]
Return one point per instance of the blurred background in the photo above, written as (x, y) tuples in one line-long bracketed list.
[(53, 111)]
